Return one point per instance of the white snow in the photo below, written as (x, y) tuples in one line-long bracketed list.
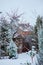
[(21, 60)]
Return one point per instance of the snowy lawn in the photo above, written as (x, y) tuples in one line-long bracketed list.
[(22, 60)]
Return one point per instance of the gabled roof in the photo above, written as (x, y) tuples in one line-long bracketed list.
[(26, 27)]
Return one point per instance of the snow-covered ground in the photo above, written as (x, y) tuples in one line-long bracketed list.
[(22, 60)]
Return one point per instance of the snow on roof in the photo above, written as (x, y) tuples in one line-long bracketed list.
[(26, 27), (16, 35)]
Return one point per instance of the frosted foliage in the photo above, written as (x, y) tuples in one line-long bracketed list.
[(8, 30), (40, 42)]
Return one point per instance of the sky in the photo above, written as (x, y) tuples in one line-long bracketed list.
[(30, 8)]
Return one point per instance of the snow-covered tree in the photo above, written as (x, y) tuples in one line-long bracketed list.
[(4, 36), (40, 38), (13, 28)]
